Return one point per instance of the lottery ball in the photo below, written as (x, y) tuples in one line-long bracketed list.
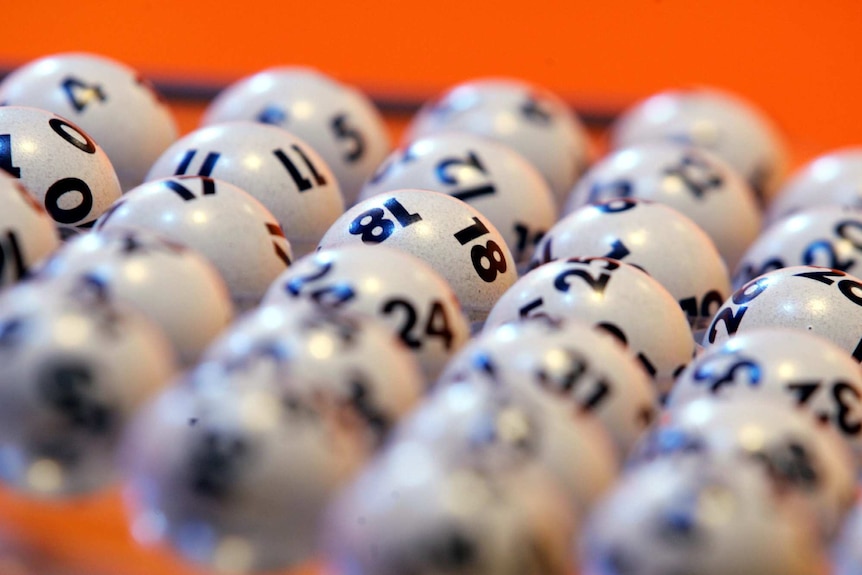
[(833, 178), (691, 180), (796, 452), (588, 370), (235, 477), (452, 237), (173, 286), (793, 366), (116, 106), (828, 236), (613, 296), (74, 368), (338, 121), (313, 352), (59, 164), (847, 551), (476, 421), (720, 122), (408, 513), (699, 517), (27, 233), (396, 289), (239, 236), (534, 122), (658, 239), (823, 301), (278, 169), (489, 176)]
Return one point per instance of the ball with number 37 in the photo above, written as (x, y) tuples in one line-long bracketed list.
[(453, 238)]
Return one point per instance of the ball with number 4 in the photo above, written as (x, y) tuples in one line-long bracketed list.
[(697, 183), (583, 367), (338, 121), (281, 171), (239, 236), (532, 121), (117, 106), (397, 289), (452, 237), (793, 366), (489, 176), (59, 164), (823, 301), (611, 295), (27, 234)]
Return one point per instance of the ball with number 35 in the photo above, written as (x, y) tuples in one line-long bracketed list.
[(452, 237)]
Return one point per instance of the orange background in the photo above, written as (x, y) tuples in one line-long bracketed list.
[(799, 61)]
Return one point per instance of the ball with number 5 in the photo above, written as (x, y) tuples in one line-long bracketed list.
[(281, 171), (823, 301), (239, 236), (398, 289), (59, 164), (338, 121), (489, 176), (789, 365), (452, 237), (610, 295)]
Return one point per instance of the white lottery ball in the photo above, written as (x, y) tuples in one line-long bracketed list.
[(173, 286), (657, 238), (586, 369), (408, 513), (833, 178), (452, 237), (819, 300), (281, 171), (797, 453), (700, 517), (828, 236), (489, 176), (310, 352), (614, 296), (235, 478), (27, 233), (59, 164), (692, 180), (533, 121), (74, 368), (715, 120), (338, 121), (399, 290), (115, 105), (239, 236)]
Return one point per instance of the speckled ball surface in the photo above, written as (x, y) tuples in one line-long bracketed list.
[(452, 237)]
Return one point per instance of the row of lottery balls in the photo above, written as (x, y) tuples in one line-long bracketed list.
[(236, 461)]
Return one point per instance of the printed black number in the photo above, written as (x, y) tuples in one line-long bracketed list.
[(710, 303), (73, 135), (741, 297), (6, 163), (11, 256), (491, 252), (436, 326), (849, 288), (332, 296), (216, 461), (276, 232), (597, 284), (812, 252), (69, 389), (81, 94), (303, 184), (614, 190), (68, 215), (344, 131), (472, 161), (534, 112), (526, 239), (697, 175), (748, 271), (207, 165), (208, 184), (567, 378), (846, 397), (718, 376), (272, 114), (375, 227)]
